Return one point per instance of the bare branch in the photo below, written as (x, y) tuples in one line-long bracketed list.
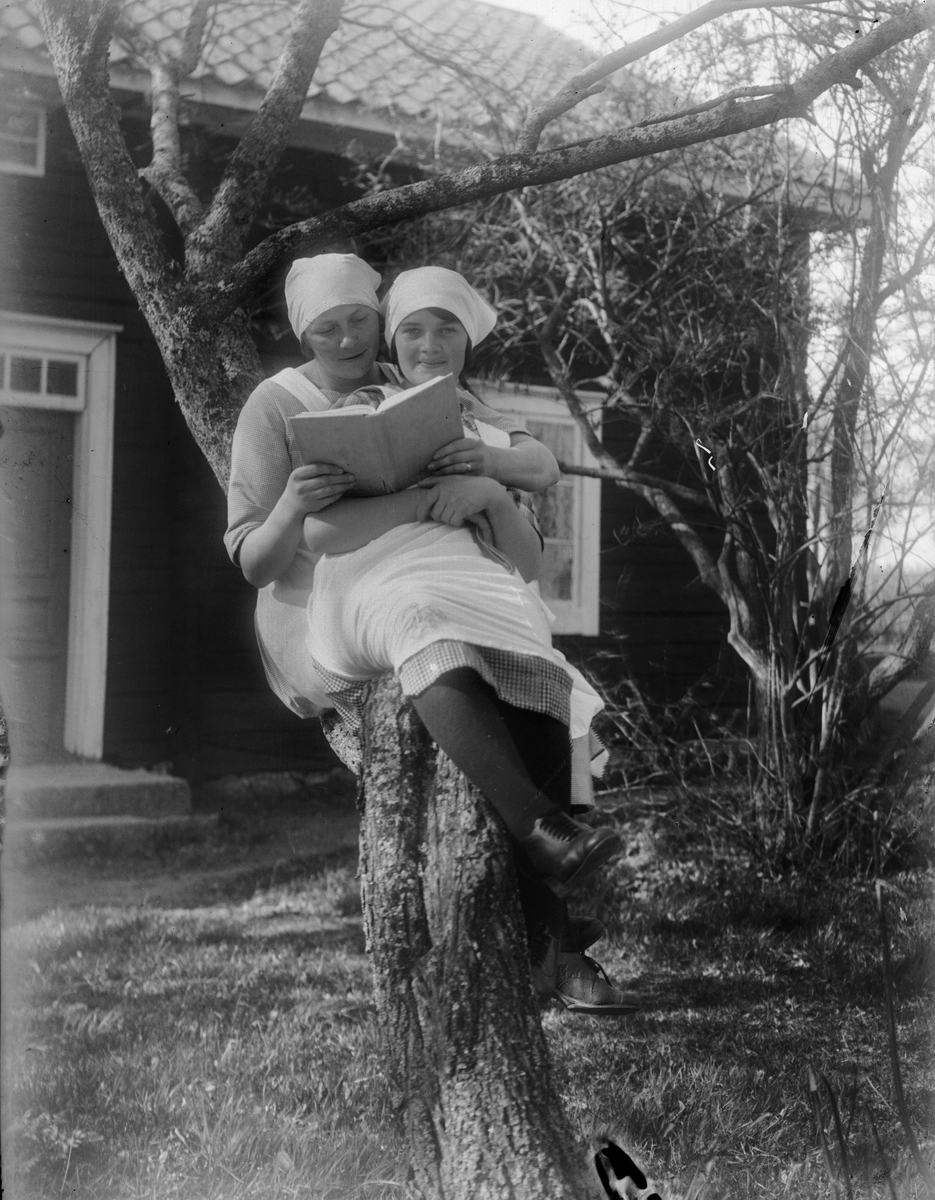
[(740, 93), (102, 27), (164, 173), (586, 82), (252, 163), (70, 28), (194, 38), (920, 261), (524, 170), (614, 473)]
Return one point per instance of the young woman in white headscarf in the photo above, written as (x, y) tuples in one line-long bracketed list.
[(399, 583)]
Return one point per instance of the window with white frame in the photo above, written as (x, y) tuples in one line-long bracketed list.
[(569, 513), (22, 138), (40, 380)]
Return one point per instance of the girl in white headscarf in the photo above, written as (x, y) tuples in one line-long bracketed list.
[(398, 584)]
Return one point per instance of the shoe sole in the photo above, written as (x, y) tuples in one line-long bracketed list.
[(595, 1010), (602, 853)]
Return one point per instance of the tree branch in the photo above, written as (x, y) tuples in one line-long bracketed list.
[(252, 163), (77, 35), (740, 93), (623, 476), (587, 82), (524, 170), (920, 261), (164, 173)]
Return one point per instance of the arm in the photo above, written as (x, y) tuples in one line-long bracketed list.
[(526, 463), (454, 501), (350, 524), (268, 550)]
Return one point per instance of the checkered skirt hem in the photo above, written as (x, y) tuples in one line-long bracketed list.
[(523, 680)]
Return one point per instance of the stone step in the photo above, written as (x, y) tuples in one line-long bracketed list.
[(91, 789), (26, 842)]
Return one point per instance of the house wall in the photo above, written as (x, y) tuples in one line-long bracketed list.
[(184, 685)]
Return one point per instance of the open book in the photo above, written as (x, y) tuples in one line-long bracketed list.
[(386, 448)]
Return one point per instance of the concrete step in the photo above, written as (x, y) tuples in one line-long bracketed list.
[(66, 790), (26, 842)]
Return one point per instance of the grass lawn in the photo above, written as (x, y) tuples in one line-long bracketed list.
[(230, 1049)]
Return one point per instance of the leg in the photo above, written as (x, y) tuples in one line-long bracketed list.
[(545, 748), (463, 715)]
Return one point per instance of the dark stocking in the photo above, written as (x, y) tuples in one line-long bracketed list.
[(519, 759), (543, 745), (462, 714)]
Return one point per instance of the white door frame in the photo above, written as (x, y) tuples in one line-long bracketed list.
[(89, 580)]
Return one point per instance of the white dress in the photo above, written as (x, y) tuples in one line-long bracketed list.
[(418, 600)]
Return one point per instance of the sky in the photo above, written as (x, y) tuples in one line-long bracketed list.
[(578, 18)]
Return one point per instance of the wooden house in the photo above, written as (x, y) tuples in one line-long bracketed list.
[(127, 633)]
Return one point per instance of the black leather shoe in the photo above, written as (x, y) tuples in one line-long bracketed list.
[(582, 986), (565, 852)]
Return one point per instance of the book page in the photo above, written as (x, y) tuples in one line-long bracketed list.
[(415, 424), (346, 439), (386, 449)]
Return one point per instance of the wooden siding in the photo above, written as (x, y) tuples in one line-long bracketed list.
[(184, 683)]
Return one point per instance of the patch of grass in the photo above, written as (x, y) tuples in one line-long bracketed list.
[(220, 1052), (231, 1051), (751, 979)]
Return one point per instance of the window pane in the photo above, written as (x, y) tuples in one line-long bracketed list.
[(556, 511), (555, 582), (558, 436), (62, 378), (25, 374)]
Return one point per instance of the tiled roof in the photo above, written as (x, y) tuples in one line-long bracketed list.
[(446, 63), (425, 60)]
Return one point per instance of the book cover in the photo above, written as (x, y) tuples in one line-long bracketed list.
[(387, 448)]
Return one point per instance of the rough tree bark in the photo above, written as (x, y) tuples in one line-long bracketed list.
[(466, 1056)]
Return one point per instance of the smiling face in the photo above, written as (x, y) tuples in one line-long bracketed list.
[(344, 341), (429, 343)]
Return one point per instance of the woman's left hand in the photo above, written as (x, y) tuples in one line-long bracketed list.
[(454, 500), (466, 456)]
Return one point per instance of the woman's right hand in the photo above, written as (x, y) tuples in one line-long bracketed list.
[(314, 487)]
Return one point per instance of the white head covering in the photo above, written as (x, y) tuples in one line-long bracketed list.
[(314, 285), (437, 287)]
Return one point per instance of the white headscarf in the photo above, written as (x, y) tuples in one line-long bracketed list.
[(314, 285), (437, 287)]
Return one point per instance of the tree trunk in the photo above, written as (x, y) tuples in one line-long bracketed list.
[(466, 1057)]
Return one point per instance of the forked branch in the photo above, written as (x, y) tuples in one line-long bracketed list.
[(252, 163), (164, 172), (523, 170)]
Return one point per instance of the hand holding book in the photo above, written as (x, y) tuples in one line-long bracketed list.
[(386, 449)]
